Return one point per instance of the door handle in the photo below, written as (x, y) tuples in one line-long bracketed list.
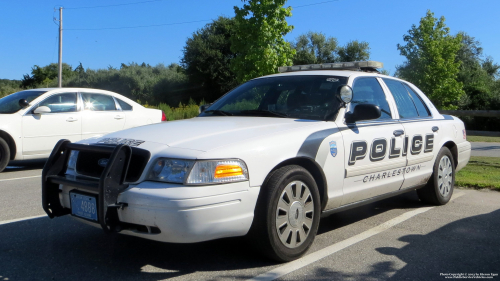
[(71, 119), (435, 128), (398, 133), (118, 117)]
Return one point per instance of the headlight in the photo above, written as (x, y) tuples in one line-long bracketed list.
[(198, 172), (170, 170)]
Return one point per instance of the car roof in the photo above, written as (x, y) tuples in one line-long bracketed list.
[(345, 73)]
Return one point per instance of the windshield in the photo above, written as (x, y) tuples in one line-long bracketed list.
[(10, 103), (301, 97)]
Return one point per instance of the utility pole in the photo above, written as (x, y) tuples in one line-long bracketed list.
[(59, 76)]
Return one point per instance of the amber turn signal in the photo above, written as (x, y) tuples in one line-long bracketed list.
[(223, 171)]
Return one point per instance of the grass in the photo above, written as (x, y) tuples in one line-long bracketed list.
[(481, 172), (483, 139)]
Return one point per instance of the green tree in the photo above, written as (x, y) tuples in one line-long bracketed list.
[(46, 76), (478, 75), (314, 48), (206, 58), (258, 38), (431, 63), (354, 51)]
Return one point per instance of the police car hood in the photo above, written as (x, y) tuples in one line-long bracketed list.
[(207, 133)]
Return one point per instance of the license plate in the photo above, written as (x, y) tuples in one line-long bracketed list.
[(83, 206)]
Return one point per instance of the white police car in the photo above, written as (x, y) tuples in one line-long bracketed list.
[(267, 159)]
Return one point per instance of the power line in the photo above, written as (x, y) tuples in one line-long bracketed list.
[(139, 26), (315, 4), (114, 5), (164, 24)]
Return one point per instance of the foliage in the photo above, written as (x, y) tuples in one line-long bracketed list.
[(206, 58), (258, 38), (354, 51), (431, 63), (478, 76), (8, 87), (153, 84), (182, 111), (46, 76), (314, 48)]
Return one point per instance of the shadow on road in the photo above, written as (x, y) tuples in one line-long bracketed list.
[(467, 246), (404, 201), (15, 166), (65, 249)]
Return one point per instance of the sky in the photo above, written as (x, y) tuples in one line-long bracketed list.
[(95, 33)]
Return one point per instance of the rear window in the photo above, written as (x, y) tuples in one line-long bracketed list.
[(124, 105)]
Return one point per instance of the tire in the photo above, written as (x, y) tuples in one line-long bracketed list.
[(283, 230), (440, 186), (4, 154)]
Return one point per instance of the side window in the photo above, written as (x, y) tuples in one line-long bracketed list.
[(124, 105), (98, 102), (61, 103), (419, 104), (404, 102), (368, 90)]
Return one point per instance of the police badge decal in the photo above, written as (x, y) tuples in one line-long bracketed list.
[(333, 148)]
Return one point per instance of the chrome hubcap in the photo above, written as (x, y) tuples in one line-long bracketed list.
[(445, 176), (294, 214)]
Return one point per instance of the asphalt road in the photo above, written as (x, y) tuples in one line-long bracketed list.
[(489, 149), (394, 239)]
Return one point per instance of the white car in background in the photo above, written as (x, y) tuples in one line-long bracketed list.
[(32, 121)]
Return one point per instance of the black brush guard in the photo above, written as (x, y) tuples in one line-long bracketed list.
[(111, 183)]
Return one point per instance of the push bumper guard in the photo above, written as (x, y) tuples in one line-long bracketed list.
[(111, 183)]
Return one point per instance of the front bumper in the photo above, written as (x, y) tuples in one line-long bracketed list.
[(184, 214), (153, 210)]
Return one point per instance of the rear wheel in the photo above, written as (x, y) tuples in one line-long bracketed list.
[(439, 189), (287, 214), (4, 154)]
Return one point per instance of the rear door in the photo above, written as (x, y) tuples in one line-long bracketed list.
[(100, 115), (421, 133), (373, 161)]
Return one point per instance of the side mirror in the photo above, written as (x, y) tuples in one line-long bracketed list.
[(204, 107), (364, 111), (42, 109), (345, 93), (23, 103)]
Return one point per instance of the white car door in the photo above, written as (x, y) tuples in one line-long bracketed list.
[(421, 133), (42, 131), (100, 115), (374, 163)]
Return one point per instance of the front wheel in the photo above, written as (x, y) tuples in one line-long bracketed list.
[(439, 189), (287, 214), (4, 154)]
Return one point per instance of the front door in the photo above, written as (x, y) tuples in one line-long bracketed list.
[(374, 163), (42, 131)]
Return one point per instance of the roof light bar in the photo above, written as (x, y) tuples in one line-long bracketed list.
[(356, 65)]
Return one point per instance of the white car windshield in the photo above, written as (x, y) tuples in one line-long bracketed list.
[(312, 97), (10, 103)]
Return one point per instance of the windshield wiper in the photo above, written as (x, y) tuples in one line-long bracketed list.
[(219, 112), (264, 111)]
